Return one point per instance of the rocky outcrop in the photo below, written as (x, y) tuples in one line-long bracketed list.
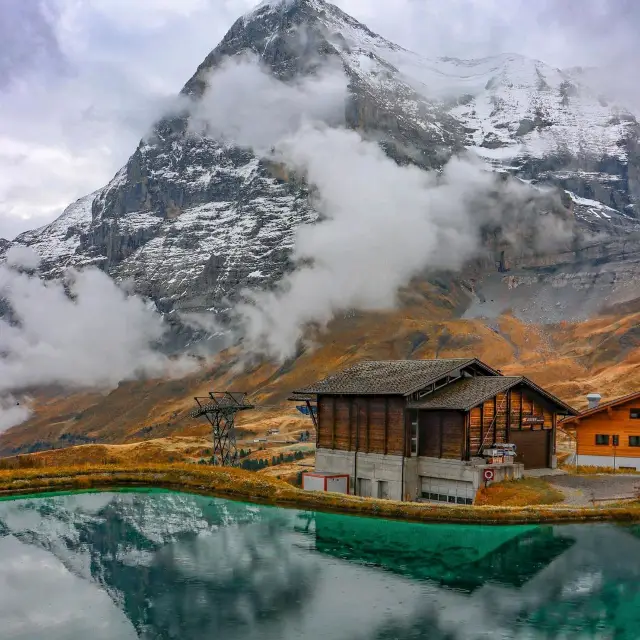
[(193, 221)]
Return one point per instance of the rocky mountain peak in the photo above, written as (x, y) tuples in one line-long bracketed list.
[(194, 220), (289, 36)]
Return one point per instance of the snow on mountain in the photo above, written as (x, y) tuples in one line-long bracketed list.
[(58, 243), (192, 221), (529, 108)]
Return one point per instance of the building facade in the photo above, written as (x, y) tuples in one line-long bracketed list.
[(608, 434), (416, 429)]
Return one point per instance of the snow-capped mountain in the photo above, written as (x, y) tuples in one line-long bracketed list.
[(192, 221)]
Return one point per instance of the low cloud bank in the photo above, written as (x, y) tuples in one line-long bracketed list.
[(82, 333), (380, 223)]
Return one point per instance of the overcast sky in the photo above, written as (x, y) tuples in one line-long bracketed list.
[(81, 80)]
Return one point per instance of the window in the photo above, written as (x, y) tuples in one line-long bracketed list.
[(383, 489), (414, 436), (634, 441), (602, 439), (634, 414), (440, 497)]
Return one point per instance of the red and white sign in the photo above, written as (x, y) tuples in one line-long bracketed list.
[(488, 474)]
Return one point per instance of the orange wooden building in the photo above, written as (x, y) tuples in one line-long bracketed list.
[(608, 433)]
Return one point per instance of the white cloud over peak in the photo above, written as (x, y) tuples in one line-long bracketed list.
[(81, 81)]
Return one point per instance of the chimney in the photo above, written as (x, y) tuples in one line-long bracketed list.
[(593, 399)]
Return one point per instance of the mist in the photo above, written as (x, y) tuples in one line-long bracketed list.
[(82, 332), (248, 107), (379, 224)]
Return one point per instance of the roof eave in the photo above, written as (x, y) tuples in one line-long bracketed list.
[(570, 410), (516, 381), (351, 393), (462, 363), (604, 406)]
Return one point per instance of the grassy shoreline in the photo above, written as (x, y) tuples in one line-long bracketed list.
[(236, 484)]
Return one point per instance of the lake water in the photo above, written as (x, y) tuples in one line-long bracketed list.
[(159, 565)]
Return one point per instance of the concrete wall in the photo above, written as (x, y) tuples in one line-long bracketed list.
[(467, 472), (412, 488), (390, 469), (371, 466), (608, 461)]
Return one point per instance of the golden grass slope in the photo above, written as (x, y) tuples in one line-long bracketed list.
[(568, 359), (519, 493)]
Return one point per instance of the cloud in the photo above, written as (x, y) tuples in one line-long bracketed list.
[(380, 224), (84, 332), (13, 411), (81, 82), (66, 128), (39, 592), (245, 105), (20, 256)]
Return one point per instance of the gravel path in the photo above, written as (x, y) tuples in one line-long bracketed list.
[(581, 491)]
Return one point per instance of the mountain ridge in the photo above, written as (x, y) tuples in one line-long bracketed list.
[(192, 221)]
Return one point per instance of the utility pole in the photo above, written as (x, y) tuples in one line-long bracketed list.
[(220, 409)]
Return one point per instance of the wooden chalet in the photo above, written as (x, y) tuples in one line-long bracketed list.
[(608, 434), (404, 428)]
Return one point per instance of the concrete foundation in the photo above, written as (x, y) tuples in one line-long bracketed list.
[(383, 473), (608, 461), (397, 478), (467, 472)]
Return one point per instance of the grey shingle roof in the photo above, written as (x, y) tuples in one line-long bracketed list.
[(392, 377), (465, 394)]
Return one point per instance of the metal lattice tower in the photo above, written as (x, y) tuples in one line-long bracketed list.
[(220, 409)]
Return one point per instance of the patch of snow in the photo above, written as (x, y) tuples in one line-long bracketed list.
[(59, 241)]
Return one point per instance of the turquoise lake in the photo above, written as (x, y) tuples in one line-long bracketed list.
[(158, 565)]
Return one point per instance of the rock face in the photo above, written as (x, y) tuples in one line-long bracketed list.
[(192, 221)]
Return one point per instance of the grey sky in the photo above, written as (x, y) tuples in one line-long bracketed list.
[(81, 80)]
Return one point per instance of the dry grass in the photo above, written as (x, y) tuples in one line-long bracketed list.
[(519, 493), (244, 485), (162, 450), (569, 359), (587, 470)]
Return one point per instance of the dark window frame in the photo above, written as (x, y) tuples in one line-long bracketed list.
[(634, 441), (441, 497), (634, 414), (602, 439)]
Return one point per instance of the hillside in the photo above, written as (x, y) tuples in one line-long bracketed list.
[(570, 359)]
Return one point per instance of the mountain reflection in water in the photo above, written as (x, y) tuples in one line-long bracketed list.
[(166, 565)]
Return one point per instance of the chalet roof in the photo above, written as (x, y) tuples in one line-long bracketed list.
[(390, 377), (463, 395), (301, 397), (603, 406)]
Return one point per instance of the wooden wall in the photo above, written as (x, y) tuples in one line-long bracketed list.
[(513, 408), (616, 421), (377, 424), (370, 424), (441, 434)]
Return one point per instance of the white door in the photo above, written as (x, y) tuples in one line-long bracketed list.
[(364, 487)]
